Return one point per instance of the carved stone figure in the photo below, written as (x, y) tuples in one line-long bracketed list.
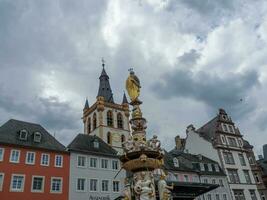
[(154, 143), (144, 187), (164, 189), (128, 145), (127, 190)]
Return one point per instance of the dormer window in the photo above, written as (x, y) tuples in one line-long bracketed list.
[(23, 135), (96, 144), (37, 137), (175, 162)]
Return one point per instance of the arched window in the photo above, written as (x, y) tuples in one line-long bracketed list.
[(122, 139), (94, 121), (109, 118), (109, 139), (89, 125), (119, 120)]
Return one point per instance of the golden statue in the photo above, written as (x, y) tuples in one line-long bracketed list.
[(133, 86)]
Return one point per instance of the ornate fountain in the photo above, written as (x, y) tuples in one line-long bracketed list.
[(141, 156)]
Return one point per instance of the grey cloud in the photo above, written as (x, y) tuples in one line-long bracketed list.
[(215, 91)]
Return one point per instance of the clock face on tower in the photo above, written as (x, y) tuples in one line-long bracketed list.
[(116, 137)]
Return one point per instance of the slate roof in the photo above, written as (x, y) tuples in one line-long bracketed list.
[(104, 89), (124, 99), (9, 134), (186, 161), (84, 143)]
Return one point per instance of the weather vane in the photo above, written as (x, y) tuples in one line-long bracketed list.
[(103, 62)]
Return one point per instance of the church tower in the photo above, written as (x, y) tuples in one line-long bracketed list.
[(105, 118)]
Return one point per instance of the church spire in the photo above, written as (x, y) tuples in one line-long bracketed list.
[(104, 86), (86, 105), (124, 99)]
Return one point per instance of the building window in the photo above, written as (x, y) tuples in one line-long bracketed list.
[(209, 197), (58, 161), (94, 121), (119, 120), (109, 139), (56, 185), (202, 167), (175, 162), (209, 167), (30, 158), (221, 182), (93, 162), (81, 160), (37, 137), (186, 178), (104, 163), (104, 186), (14, 156), (89, 125), (251, 160), (262, 196), (213, 181), (45, 158), (228, 158), (223, 139), (37, 184), (233, 176), (257, 180), (80, 184), (217, 169), (239, 195), (23, 135), (224, 196), (231, 129), (232, 141), (205, 180), (116, 186), (252, 194), (109, 118), (225, 128), (247, 177), (1, 181), (217, 197), (93, 184), (242, 159), (2, 150), (115, 164), (96, 143), (17, 183), (122, 139)]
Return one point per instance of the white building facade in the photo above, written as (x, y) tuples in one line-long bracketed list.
[(94, 170), (224, 143)]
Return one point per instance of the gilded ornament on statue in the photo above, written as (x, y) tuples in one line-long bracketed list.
[(133, 86)]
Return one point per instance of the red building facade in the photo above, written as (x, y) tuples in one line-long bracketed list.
[(33, 164)]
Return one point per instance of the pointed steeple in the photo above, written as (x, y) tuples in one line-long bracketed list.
[(86, 105), (124, 99), (104, 86)]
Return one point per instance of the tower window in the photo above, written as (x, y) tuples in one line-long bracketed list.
[(119, 120), (109, 138), (109, 118), (89, 125), (94, 121)]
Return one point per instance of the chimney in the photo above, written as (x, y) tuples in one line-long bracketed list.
[(178, 142)]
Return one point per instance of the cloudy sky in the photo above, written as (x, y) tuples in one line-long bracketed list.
[(192, 57)]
